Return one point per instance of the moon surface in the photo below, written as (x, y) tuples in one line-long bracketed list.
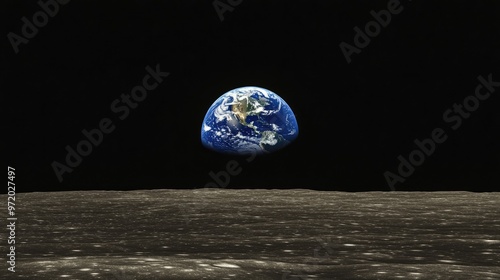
[(255, 234)]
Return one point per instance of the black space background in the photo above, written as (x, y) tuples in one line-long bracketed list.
[(354, 119)]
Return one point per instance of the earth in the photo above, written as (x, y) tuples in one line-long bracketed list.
[(249, 120)]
